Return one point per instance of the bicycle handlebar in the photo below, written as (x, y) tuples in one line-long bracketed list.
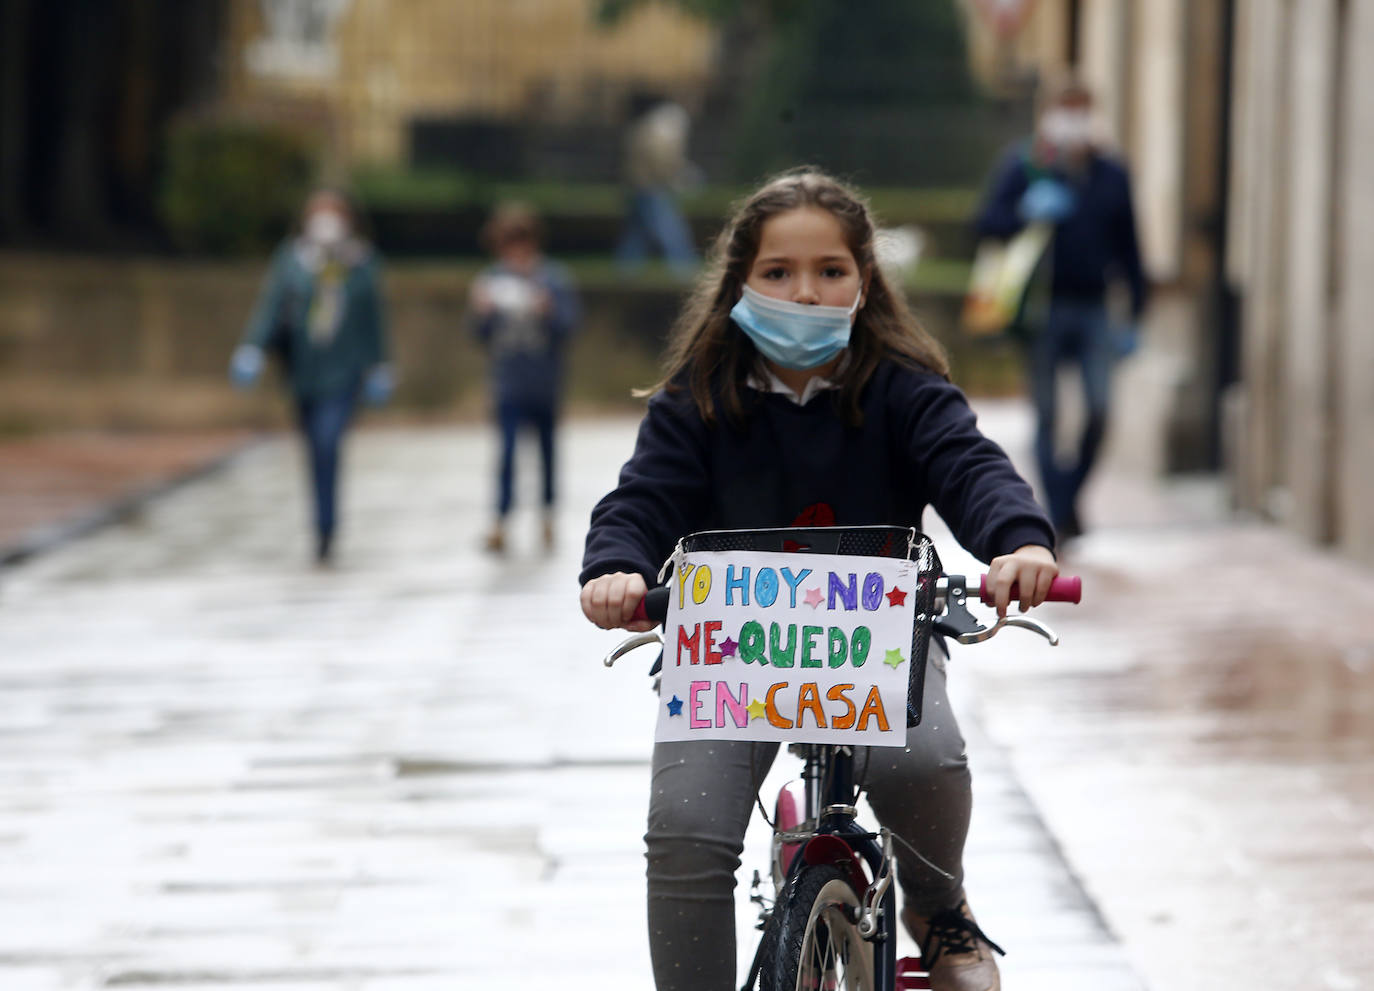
[(654, 606), (1068, 588)]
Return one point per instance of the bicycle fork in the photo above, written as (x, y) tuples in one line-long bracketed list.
[(837, 838)]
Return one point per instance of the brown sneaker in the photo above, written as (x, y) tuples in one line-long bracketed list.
[(548, 533), (954, 951), (495, 542)]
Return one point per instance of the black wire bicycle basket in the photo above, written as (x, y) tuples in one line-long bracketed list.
[(862, 541)]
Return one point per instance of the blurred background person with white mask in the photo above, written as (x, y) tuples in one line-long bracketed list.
[(320, 314), (524, 308), (1064, 176)]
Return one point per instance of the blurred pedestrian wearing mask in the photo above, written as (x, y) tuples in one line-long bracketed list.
[(1063, 176), (320, 313), (524, 308)]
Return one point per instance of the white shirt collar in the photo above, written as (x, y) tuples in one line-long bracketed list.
[(764, 379)]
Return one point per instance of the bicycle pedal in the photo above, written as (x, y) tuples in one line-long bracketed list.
[(911, 976)]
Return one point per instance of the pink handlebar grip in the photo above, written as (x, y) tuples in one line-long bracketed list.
[(653, 607), (1066, 588)]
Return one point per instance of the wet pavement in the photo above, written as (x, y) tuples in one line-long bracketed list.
[(56, 486), (221, 768), (1202, 744)]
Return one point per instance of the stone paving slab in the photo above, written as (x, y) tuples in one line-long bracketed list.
[(221, 768)]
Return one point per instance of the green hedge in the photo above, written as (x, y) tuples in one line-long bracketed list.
[(233, 188), (389, 188)]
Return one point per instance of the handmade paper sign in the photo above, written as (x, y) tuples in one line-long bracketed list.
[(799, 648)]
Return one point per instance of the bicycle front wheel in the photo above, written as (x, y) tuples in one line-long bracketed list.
[(813, 941)]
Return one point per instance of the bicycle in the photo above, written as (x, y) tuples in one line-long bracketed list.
[(832, 923)]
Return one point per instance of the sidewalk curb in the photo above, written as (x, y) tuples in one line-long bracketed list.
[(50, 536)]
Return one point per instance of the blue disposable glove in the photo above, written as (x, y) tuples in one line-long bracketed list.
[(379, 385), (1125, 339), (1046, 200), (245, 366)]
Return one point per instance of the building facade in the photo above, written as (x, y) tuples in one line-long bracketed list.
[(1302, 418), (363, 69)]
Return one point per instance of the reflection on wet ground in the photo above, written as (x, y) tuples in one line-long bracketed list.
[(1203, 747), (222, 769)]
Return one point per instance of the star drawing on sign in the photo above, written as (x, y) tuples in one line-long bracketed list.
[(756, 709), (813, 597), (727, 647), (896, 597), (894, 658), (675, 705)]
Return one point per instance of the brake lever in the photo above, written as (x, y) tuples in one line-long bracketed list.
[(1024, 622), (629, 644), (964, 627)]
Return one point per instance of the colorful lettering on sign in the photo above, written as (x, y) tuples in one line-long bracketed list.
[(873, 707), (734, 583), (848, 593), (766, 587), (701, 584), (837, 693), (713, 655), (782, 657), (809, 635), (873, 591), (694, 706), (803, 631), (859, 644), (692, 643), (738, 706), (839, 647), (775, 717), (793, 581), (684, 571), (808, 700), (808, 703), (752, 643)]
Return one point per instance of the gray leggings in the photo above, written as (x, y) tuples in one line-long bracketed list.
[(702, 796)]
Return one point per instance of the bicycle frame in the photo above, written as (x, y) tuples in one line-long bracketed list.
[(829, 833), (828, 778)]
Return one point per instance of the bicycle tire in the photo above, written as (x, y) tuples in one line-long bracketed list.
[(812, 940)]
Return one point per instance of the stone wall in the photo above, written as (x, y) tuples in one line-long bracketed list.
[(93, 342)]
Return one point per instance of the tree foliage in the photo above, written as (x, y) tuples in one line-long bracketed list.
[(852, 85), (233, 187), (847, 79)]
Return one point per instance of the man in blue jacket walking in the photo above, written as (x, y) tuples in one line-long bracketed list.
[(1063, 176)]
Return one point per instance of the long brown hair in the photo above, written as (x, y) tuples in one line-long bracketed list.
[(716, 356)]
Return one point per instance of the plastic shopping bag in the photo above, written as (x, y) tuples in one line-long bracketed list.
[(1001, 277)]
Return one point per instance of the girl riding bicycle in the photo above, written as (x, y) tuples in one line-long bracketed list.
[(801, 391)]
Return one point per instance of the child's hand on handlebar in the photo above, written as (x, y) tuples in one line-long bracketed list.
[(1030, 568), (610, 601)]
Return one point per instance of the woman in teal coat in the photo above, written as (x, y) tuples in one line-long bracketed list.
[(320, 311)]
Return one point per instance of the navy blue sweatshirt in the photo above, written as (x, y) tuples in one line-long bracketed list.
[(1095, 242), (786, 464)]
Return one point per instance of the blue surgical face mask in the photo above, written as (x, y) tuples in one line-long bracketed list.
[(794, 335)]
